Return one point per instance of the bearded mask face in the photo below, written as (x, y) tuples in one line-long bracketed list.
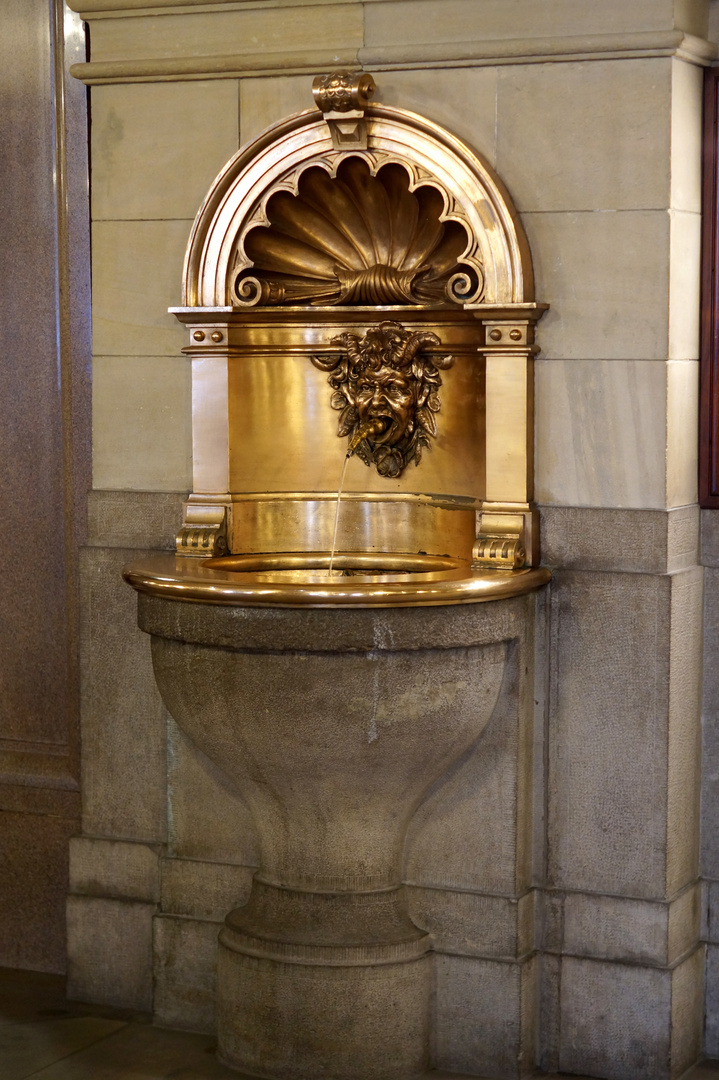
[(387, 393)]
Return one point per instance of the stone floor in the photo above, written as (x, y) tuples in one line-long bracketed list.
[(46, 1037)]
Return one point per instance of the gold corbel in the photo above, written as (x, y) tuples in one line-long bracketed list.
[(204, 530), (342, 97), (507, 537)]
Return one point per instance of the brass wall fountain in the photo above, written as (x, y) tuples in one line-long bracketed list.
[(356, 283)]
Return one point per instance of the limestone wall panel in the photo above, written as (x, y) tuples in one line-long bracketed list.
[(608, 734), (135, 278), (142, 411), (123, 718), (606, 276), (157, 147), (585, 136)]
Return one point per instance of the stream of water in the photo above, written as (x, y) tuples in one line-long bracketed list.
[(348, 455)]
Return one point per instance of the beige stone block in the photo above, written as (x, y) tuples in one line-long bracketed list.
[(684, 732), (204, 890), (601, 433), (485, 1016), (157, 147), (686, 135), (606, 276), (217, 33), (685, 917), (630, 1023), (710, 538), (683, 538), (420, 21), (616, 765), (463, 100), (687, 1012), (643, 541), (550, 969), (614, 928), (137, 275), (185, 973), (208, 820), (109, 944), (710, 733), (114, 868), (265, 101), (681, 432), (593, 135), (692, 16), (684, 285), (711, 1036), (550, 920), (470, 924), (123, 718), (127, 519), (142, 423), (713, 28)]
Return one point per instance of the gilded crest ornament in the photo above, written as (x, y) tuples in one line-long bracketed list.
[(342, 91), (387, 392)]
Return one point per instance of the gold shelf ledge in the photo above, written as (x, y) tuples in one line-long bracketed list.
[(300, 580)]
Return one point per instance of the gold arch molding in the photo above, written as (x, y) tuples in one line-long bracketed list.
[(494, 266)]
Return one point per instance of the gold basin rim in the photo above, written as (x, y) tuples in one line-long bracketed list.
[(194, 581), (374, 562)]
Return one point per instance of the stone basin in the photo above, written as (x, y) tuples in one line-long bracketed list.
[(334, 705)]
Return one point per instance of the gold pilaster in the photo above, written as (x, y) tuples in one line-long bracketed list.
[(507, 525)]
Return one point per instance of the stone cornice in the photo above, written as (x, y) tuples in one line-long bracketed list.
[(540, 50), (428, 55), (237, 65)]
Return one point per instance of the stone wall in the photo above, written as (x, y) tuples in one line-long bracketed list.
[(577, 901), (45, 473)]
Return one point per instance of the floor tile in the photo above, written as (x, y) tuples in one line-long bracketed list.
[(45, 1037), (26, 1049), (30, 995), (143, 1053)]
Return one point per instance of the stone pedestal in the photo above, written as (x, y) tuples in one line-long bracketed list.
[(335, 733)]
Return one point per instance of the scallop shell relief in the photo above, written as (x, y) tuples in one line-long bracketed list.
[(357, 238)]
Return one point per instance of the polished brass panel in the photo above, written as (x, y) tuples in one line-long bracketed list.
[(282, 434), (195, 580), (387, 389), (367, 522)]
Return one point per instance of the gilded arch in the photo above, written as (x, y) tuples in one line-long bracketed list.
[(495, 259)]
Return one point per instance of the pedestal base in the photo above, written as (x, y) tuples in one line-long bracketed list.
[(317, 985)]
